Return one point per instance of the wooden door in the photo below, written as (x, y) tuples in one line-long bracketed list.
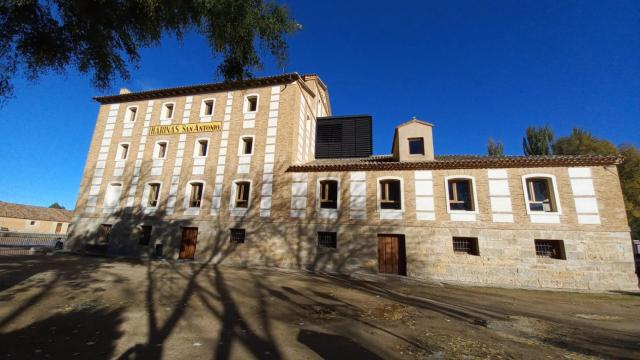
[(391, 254), (188, 244)]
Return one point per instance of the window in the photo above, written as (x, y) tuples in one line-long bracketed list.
[(104, 233), (201, 148), (131, 114), (195, 200), (540, 194), (207, 107), (58, 228), (160, 150), (237, 236), (328, 194), (242, 194), (154, 193), (32, 223), (112, 196), (553, 249), (390, 194), (247, 145), (416, 146), (327, 239), (123, 151), (251, 103), (466, 245), (461, 195), (167, 111), (145, 236)]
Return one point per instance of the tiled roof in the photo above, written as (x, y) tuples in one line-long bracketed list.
[(201, 88), (387, 162), (19, 211)]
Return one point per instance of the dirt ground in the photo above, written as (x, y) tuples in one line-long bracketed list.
[(70, 307)]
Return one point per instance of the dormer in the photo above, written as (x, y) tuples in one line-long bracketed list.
[(413, 141)]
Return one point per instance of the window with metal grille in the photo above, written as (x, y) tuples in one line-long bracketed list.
[(104, 233), (327, 239), (550, 249), (466, 245), (145, 235), (329, 133), (237, 236), (328, 194)]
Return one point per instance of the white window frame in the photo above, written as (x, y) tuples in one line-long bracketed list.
[(119, 151), (145, 194), (127, 116), (203, 107), (556, 195), (163, 111), (476, 209), (232, 200), (245, 105), (156, 148), (196, 148), (106, 192), (319, 192), (193, 210), (402, 197), (241, 145)]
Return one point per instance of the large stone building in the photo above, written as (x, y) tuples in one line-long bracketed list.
[(33, 219), (232, 173)]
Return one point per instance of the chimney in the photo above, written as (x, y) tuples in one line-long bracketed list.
[(124, 91)]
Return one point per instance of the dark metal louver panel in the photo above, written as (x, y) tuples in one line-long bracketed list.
[(343, 136)]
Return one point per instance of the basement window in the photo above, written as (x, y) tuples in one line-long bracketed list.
[(465, 245), (327, 239), (553, 249), (237, 236), (416, 146), (145, 236), (104, 233)]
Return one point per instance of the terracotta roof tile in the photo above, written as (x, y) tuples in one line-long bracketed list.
[(387, 162), (19, 211)]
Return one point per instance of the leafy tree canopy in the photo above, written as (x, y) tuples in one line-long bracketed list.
[(537, 140), (629, 172), (101, 36), (495, 148), (582, 142), (55, 205)]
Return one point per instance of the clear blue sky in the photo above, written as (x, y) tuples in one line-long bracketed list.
[(474, 68)]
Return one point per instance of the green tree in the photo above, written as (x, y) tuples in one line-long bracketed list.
[(101, 37), (582, 142), (629, 172), (55, 205), (495, 148), (537, 140)]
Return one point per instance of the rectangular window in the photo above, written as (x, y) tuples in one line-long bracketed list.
[(161, 150), (329, 194), (32, 222), (124, 151), (196, 195), (466, 245), (252, 103), (112, 196), (203, 146), (553, 249), (540, 193), (247, 145), (237, 236), (242, 194), (145, 236), (167, 111), (154, 194), (416, 146), (131, 114), (390, 197), (327, 239), (104, 233), (461, 195), (58, 228), (207, 107)]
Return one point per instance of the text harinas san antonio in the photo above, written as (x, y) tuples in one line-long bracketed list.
[(185, 128)]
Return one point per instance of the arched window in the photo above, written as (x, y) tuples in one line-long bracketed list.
[(540, 194)]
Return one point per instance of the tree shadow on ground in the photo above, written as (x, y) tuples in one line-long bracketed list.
[(82, 334), (330, 346)]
